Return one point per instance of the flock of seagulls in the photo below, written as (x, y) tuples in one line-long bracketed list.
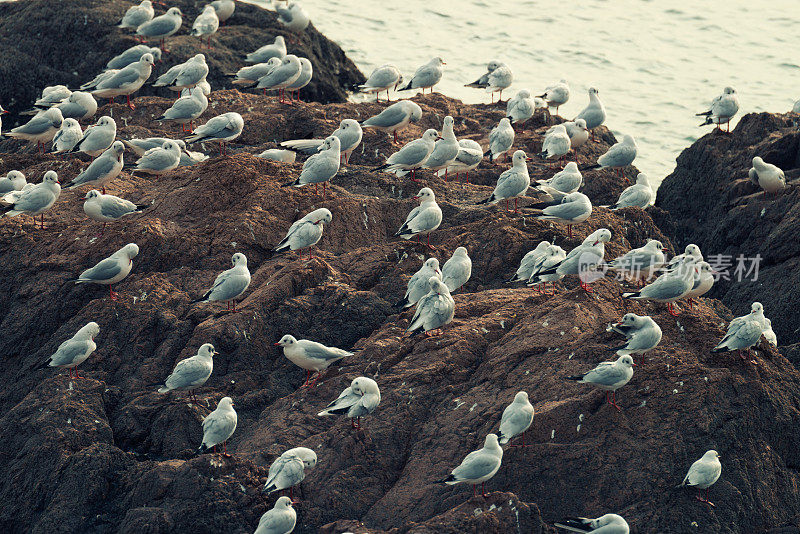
[(56, 121)]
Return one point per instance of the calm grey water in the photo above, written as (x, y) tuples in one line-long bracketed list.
[(656, 63)]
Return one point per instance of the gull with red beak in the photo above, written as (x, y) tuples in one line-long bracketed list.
[(75, 350), (33, 199), (311, 356), (512, 183), (609, 376), (423, 219), (306, 232), (191, 373)]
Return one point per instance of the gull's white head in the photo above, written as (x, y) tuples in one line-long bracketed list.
[(729, 91), (523, 93), (654, 244), (519, 158), (321, 216), (711, 456), (433, 265), (239, 259), (593, 91), (51, 177), (283, 503), (425, 195), (642, 178), (626, 361), (363, 386), (131, 250), (491, 441), (629, 140), (757, 307), (174, 12), (521, 397), (430, 135), (493, 65), (286, 341), (460, 251), (147, 59), (94, 193), (226, 403), (118, 147), (206, 350), (90, 330), (580, 123), (437, 61), (505, 122)]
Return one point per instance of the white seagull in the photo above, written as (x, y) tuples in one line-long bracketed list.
[(229, 284)]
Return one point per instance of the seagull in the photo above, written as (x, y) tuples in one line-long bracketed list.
[(68, 136), (383, 78), (619, 156), (126, 81), (33, 199), (498, 77), (574, 208), (639, 195), (521, 107), (605, 524), (224, 9), (769, 334), (281, 519), (137, 15), (277, 154), (744, 332), (576, 130), (186, 109), (359, 399), (418, 285), (556, 95), (97, 138), (288, 470), (641, 332), (206, 23), (306, 232), (527, 263), (162, 26), (457, 270), (230, 284), (132, 55), (250, 74), (562, 183), (108, 208), (40, 129), (556, 144), (500, 140), (669, 287), (112, 269), (79, 106), (552, 256), (282, 76), (184, 75), (767, 176), (412, 156), (594, 114), (275, 50), (159, 160), (395, 118), (703, 282), (723, 108), (306, 73), (434, 310), (423, 219), (103, 169), (512, 183), (293, 17), (426, 76), (191, 373), (580, 261), (219, 426), (322, 166), (478, 466), (349, 134), (222, 128), (609, 376), (516, 420), (52, 95), (445, 150), (690, 254), (470, 155), (13, 181), (311, 356), (640, 262), (74, 351), (703, 474)]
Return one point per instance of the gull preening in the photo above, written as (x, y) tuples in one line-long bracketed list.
[(702, 284), (219, 426), (306, 73), (434, 310), (281, 519), (349, 134), (744, 332), (767, 176), (478, 466), (556, 143), (112, 269), (206, 24), (418, 285), (289, 470), (605, 524), (609, 376), (357, 400), (497, 77), (641, 332), (191, 373), (74, 351), (384, 78), (79, 106), (723, 108), (521, 107), (67, 136), (639, 195), (222, 129), (224, 9), (703, 474), (412, 156), (311, 356), (250, 75), (516, 420), (306, 232), (581, 260), (423, 219), (512, 183), (229, 284), (426, 76), (103, 169), (501, 138), (541, 271), (457, 270), (108, 208), (33, 199), (528, 262), (159, 160), (395, 118)]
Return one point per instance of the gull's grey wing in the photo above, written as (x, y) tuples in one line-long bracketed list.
[(515, 420), (157, 26), (702, 473), (477, 464), (36, 126), (387, 118), (605, 374), (319, 168), (567, 211), (746, 335), (184, 108), (168, 77), (191, 73), (642, 339), (33, 199), (321, 352), (290, 473), (116, 207), (156, 159), (218, 427), (634, 196), (189, 372), (618, 155), (664, 288), (68, 352), (425, 219), (105, 270), (411, 154), (229, 285), (99, 168), (124, 77)]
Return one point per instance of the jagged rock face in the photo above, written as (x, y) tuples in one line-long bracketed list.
[(712, 203), (109, 454), (36, 52)]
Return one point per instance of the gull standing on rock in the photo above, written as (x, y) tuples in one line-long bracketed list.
[(767, 176), (74, 351), (521, 107), (126, 81), (639, 195), (395, 118), (640, 262), (516, 420), (250, 75), (470, 155), (498, 77), (224, 9), (275, 50), (281, 76), (501, 138), (609, 376), (230, 284), (669, 287), (293, 17), (108, 208), (527, 263), (594, 114), (457, 270), (33, 199), (159, 160), (384, 78), (184, 75), (13, 181), (703, 474), (423, 219), (412, 156), (703, 282), (744, 332), (556, 95), (281, 519), (112, 269), (478, 466), (67, 137), (98, 138), (605, 524), (574, 208), (103, 169), (191, 373), (186, 109), (580, 261), (219, 426), (349, 133), (288, 470), (311, 356), (723, 108), (556, 144), (434, 310), (641, 332), (78, 106), (619, 156), (566, 181), (552, 257), (132, 55), (306, 232), (40, 129), (418, 284), (306, 73), (512, 183), (576, 130), (359, 399), (426, 76), (322, 166), (206, 23), (162, 26), (445, 150), (222, 128), (137, 15)]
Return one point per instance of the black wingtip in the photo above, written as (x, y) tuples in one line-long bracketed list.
[(590, 167), (574, 377), (293, 182), (450, 478), (401, 303)]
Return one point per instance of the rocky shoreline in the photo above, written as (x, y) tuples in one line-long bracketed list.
[(109, 454)]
